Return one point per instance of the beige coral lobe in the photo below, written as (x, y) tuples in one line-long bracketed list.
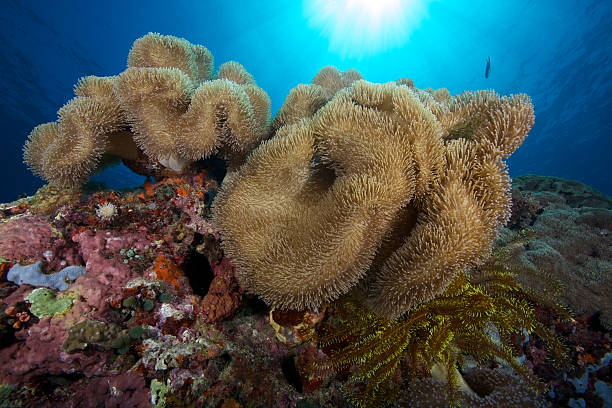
[(166, 51), (95, 87), (333, 80), (305, 99), (497, 124), (177, 116), (166, 107), (312, 229), (36, 145), (384, 189), (66, 152), (302, 102)]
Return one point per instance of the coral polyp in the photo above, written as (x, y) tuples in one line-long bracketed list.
[(106, 211)]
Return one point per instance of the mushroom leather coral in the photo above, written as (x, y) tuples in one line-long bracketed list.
[(66, 152), (179, 115), (304, 100), (166, 104), (384, 186)]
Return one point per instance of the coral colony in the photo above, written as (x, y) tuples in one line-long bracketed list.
[(354, 253)]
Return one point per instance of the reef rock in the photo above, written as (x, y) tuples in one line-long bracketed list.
[(572, 228)]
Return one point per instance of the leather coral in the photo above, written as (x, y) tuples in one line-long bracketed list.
[(179, 113), (385, 189), (66, 152), (166, 106), (304, 100)]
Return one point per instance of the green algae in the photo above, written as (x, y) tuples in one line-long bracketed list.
[(122, 343), (6, 393), (159, 392), (45, 303), (148, 305), (136, 332)]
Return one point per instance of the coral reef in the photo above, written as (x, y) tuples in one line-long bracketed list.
[(159, 317), (366, 219), (149, 321), (475, 317), (166, 109), (329, 206), (572, 229)]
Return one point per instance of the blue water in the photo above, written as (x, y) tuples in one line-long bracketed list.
[(559, 52)]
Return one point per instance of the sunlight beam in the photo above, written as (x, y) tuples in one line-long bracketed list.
[(358, 28)]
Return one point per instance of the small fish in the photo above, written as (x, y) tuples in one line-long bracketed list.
[(488, 67)]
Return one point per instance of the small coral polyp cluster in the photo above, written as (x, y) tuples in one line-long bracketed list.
[(383, 193)]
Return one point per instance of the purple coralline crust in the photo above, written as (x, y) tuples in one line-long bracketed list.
[(192, 209), (18, 294), (26, 238), (106, 273), (117, 391), (38, 348), (30, 238), (38, 353), (135, 283)]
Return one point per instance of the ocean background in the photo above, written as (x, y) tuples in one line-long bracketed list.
[(558, 52)]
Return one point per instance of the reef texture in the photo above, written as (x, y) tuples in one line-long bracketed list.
[(159, 319), (495, 389), (166, 109), (571, 225), (384, 192), (157, 306), (383, 185)]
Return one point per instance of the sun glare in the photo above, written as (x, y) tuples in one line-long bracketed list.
[(357, 28)]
